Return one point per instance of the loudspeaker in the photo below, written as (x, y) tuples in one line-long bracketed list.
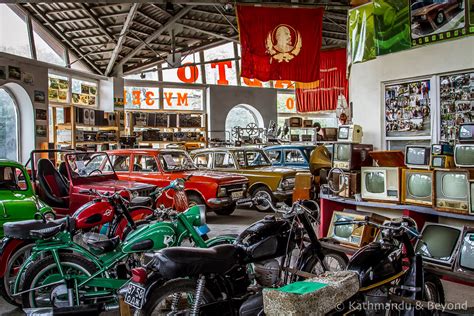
[(172, 120), (91, 117), (111, 120), (161, 120), (99, 118), (151, 120), (87, 116)]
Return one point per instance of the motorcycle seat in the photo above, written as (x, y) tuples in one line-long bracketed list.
[(103, 246), (179, 262), (33, 229), (141, 201)]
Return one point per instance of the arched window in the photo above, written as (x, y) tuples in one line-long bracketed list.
[(9, 126), (242, 115)]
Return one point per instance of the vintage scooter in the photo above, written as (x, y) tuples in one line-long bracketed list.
[(76, 275)]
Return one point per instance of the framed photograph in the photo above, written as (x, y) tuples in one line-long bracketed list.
[(54, 83), (62, 95), (14, 73), (408, 109), (28, 78), (456, 101), (39, 96), (3, 73), (41, 114), (84, 89), (76, 98), (63, 84), (41, 131), (53, 94)]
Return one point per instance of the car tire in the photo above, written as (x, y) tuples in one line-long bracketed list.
[(225, 210), (195, 199), (262, 191), (440, 17)]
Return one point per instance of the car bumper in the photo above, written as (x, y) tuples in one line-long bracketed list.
[(282, 195)]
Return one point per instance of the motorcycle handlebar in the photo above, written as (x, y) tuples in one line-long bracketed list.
[(380, 226)]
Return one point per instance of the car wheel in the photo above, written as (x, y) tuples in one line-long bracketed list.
[(195, 199), (439, 18), (225, 210), (263, 192)]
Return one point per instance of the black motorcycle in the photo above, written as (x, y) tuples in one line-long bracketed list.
[(228, 279), (392, 280)]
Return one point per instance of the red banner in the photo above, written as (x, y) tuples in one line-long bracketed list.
[(323, 94), (280, 43)]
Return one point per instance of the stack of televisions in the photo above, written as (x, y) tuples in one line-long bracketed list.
[(440, 176)]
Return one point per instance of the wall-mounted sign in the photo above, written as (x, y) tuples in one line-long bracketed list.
[(173, 99)]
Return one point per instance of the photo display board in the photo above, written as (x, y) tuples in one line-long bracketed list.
[(456, 103), (408, 109)]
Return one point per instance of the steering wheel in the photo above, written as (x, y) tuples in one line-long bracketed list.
[(95, 170), (252, 129)]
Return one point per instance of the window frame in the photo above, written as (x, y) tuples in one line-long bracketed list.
[(17, 118), (225, 153)]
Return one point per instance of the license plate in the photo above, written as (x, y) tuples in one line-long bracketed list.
[(237, 195), (135, 295)]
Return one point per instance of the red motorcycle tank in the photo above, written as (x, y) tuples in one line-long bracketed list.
[(93, 213)]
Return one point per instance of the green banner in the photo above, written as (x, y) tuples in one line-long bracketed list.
[(437, 20), (392, 26), (361, 34)]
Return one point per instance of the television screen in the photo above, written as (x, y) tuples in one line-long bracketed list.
[(375, 182), (419, 185), (438, 162), (465, 155), (466, 132), (438, 242), (343, 231), (416, 156), (343, 133), (343, 152), (471, 185), (454, 185), (466, 252)]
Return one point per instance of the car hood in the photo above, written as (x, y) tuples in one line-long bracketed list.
[(424, 10), (214, 176), (18, 200), (284, 171), (115, 185)]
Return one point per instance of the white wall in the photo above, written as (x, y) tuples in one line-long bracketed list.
[(365, 83)]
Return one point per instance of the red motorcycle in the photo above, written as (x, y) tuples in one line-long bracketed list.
[(111, 214)]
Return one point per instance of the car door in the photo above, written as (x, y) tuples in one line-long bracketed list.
[(121, 164), (224, 161), (275, 156), (145, 169), (294, 158), (203, 160)]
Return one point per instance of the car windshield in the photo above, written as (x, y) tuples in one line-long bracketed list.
[(12, 179), (252, 158), (89, 164), (176, 161)]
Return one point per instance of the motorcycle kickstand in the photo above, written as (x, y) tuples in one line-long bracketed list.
[(197, 296)]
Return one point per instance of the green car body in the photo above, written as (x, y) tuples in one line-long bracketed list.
[(18, 201), (260, 172)]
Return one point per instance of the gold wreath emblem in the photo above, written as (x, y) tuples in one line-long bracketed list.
[(283, 43)]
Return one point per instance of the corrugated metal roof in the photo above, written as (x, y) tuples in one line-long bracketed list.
[(109, 36)]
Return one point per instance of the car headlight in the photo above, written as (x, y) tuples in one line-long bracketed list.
[(244, 187), (287, 184), (221, 192)]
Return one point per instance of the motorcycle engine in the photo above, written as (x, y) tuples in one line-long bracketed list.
[(376, 302), (267, 273)]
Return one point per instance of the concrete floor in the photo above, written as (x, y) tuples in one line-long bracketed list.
[(235, 223)]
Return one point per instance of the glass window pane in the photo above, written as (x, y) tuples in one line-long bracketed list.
[(148, 75), (8, 127), (190, 74), (142, 98), (120, 163), (223, 73), (183, 99), (47, 48), (286, 103), (145, 164), (13, 33)]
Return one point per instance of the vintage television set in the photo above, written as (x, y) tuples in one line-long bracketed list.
[(442, 161), (417, 157), (347, 182), (327, 134), (465, 258), (466, 133), (452, 190), (442, 149), (307, 123), (352, 235), (380, 183), (417, 186), (295, 137), (295, 122), (464, 155), (349, 133), (349, 156), (439, 244), (471, 199)]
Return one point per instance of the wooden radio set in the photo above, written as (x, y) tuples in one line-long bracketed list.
[(90, 117)]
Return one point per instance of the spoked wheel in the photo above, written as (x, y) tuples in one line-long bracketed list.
[(44, 272), (333, 262), (263, 192), (13, 265), (434, 291), (175, 297)]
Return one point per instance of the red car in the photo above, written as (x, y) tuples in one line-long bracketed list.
[(219, 191), (61, 187)]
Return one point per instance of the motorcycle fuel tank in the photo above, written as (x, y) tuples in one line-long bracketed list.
[(154, 236), (376, 263), (93, 213)]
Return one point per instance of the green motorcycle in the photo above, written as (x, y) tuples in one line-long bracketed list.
[(81, 276)]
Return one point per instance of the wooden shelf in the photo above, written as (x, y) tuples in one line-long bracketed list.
[(414, 208), (175, 128), (169, 142), (165, 111), (68, 127)]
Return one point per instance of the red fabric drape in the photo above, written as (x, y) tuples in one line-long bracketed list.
[(322, 95), (280, 43)]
